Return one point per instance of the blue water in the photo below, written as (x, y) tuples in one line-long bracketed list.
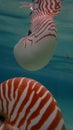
[(57, 76)]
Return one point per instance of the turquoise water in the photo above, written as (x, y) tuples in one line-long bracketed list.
[(57, 76)]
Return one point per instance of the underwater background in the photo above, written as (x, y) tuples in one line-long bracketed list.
[(57, 76)]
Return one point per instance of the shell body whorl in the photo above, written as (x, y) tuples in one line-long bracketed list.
[(28, 105), (35, 51)]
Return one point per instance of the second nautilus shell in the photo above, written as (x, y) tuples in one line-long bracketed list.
[(34, 51)]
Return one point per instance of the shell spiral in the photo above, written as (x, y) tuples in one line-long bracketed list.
[(28, 105), (35, 50)]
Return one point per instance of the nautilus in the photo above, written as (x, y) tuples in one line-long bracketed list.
[(26, 104), (34, 51)]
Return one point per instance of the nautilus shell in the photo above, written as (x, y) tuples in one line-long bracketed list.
[(35, 50), (25, 104)]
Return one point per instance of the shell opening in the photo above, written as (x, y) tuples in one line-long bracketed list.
[(2, 120)]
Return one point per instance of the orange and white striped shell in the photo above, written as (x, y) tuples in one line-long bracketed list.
[(25, 104)]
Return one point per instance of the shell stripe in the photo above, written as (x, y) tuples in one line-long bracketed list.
[(49, 6)]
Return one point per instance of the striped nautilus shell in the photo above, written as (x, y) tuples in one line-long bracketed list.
[(25, 104), (35, 50)]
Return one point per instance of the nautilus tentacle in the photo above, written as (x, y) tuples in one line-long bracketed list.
[(25, 104), (27, 4), (35, 50)]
